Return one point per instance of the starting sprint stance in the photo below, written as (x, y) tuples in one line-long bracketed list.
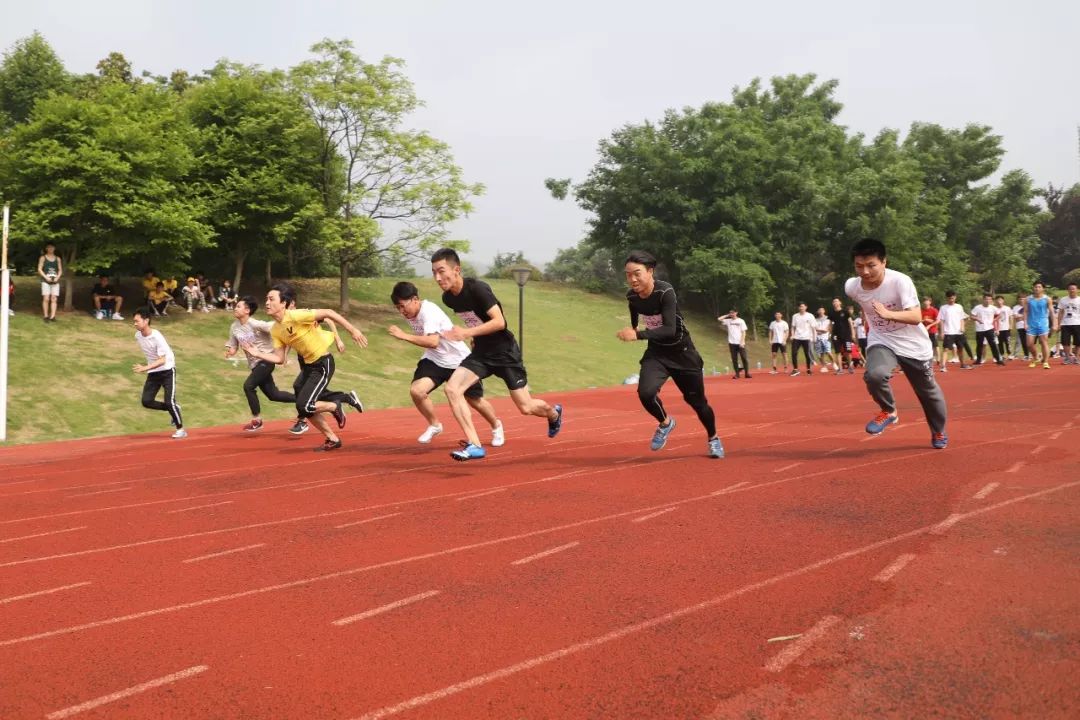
[(670, 352), (299, 330), (441, 357), (897, 336), (246, 330), (160, 369), (495, 351)]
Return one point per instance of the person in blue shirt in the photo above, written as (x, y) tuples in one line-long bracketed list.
[(1041, 320)]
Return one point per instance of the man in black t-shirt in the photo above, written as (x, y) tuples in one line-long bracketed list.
[(495, 351), (843, 333), (107, 301), (670, 352)]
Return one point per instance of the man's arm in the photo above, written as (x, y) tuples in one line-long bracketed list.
[(147, 368), (40, 267), (429, 342), (277, 356), (907, 316), (667, 313), (328, 314)]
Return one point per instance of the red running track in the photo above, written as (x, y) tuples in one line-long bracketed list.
[(813, 573)]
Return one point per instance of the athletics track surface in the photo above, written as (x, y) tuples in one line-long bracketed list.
[(243, 576)]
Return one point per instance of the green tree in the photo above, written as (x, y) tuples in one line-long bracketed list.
[(1059, 252), (504, 263), (591, 268), (29, 72), (389, 188), (1004, 233)]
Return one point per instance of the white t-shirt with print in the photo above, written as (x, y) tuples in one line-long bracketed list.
[(822, 324), (802, 326), (1018, 313), (896, 292), (1070, 308), (736, 330), (952, 317), (431, 320), (154, 346), (984, 317), (778, 331), (1005, 314)]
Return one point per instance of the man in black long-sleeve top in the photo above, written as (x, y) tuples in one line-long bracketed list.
[(670, 352)]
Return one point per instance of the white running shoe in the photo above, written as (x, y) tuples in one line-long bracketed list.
[(117, 316), (498, 436), (179, 434), (430, 434), (100, 315)]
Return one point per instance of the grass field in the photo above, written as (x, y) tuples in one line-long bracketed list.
[(73, 378)]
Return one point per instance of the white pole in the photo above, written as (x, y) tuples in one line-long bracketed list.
[(5, 279)]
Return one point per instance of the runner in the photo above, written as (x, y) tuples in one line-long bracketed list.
[(891, 305), (1004, 327), (736, 338), (953, 318), (931, 322), (495, 351), (299, 330), (803, 330), (1069, 322), (1039, 314), (778, 336), (986, 328), (160, 369), (246, 330), (670, 352), (441, 357), (843, 334)]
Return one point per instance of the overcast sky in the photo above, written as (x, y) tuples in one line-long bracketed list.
[(525, 92)]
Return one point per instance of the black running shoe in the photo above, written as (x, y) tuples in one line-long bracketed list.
[(354, 400), (339, 415), (300, 427), (328, 446)]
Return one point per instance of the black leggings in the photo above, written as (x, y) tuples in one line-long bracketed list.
[(982, 339), (156, 381), (1021, 335), (689, 380), (262, 378), (311, 384), (796, 345), (1004, 338), (737, 352)]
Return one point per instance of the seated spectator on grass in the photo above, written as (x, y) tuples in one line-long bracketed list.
[(194, 296), (226, 295), (160, 299), (206, 287), (171, 286), (107, 300), (149, 281)]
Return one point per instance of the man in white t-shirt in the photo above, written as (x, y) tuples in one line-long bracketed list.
[(1021, 325), (160, 369), (823, 349), (1069, 322), (736, 339), (1004, 327), (441, 357), (986, 327), (247, 330), (953, 318), (778, 337), (803, 331), (897, 336)]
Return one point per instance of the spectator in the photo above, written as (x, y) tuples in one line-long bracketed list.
[(207, 289), (107, 301), (160, 299), (194, 295), (736, 330), (226, 295), (149, 282), (171, 286), (50, 268)]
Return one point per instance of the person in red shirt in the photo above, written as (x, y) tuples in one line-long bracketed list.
[(930, 320)]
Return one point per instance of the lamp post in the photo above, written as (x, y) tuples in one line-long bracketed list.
[(521, 276)]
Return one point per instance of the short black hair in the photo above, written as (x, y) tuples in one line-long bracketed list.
[(868, 247), (1071, 285), (250, 303), (159, 284), (989, 295), (285, 291), (146, 314), (403, 291), (999, 297), (950, 293), (641, 258), (448, 254), (1038, 282)]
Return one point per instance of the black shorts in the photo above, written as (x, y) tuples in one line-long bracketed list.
[(778, 347), (438, 375), (841, 344), (952, 341), (933, 339), (1070, 332), (682, 359), (506, 366)]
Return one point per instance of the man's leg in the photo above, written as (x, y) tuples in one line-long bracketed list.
[(991, 337), (980, 344), (733, 349), (253, 380), (745, 361), (420, 392), (880, 362), (921, 376), (481, 405), (783, 354), (316, 377), (459, 382), (1022, 341), (967, 349), (652, 377), (692, 385)]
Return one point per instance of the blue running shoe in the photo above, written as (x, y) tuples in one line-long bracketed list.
[(554, 426), (879, 423), (469, 452), (939, 441), (659, 438), (716, 448)]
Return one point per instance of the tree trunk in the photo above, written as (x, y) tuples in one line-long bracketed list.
[(69, 277), (239, 255), (344, 287), (291, 259), (753, 327), (269, 273)]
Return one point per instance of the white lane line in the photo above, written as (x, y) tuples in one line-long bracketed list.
[(629, 459), (835, 450), (361, 522), (730, 488), (945, 524), (986, 491), (1038, 449), (650, 516), (198, 507), (892, 568), (1016, 467), (789, 654), (121, 694), (224, 552), (101, 492), (385, 608), (544, 554), (787, 467), (37, 535), (320, 485), (483, 494), (1056, 435), (42, 592)]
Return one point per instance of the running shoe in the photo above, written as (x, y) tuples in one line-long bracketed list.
[(716, 448), (354, 401), (879, 423), (659, 438), (967, 367), (939, 441), (99, 315), (300, 427), (554, 426), (1033, 364), (944, 369), (329, 445), (469, 452), (773, 372), (179, 434), (429, 434), (339, 415), (795, 373), (117, 316), (1046, 366), (498, 436), (253, 425)]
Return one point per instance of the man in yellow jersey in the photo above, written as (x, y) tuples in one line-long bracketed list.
[(299, 330)]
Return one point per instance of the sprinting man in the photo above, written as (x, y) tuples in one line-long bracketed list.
[(803, 330), (1004, 327), (50, 268), (1039, 315), (843, 333), (160, 369), (890, 304), (1069, 322), (736, 338), (931, 322), (441, 357), (953, 318), (670, 352), (495, 351), (246, 330), (1021, 326), (300, 330), (822, 345), (778, 337), (986, 328)]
